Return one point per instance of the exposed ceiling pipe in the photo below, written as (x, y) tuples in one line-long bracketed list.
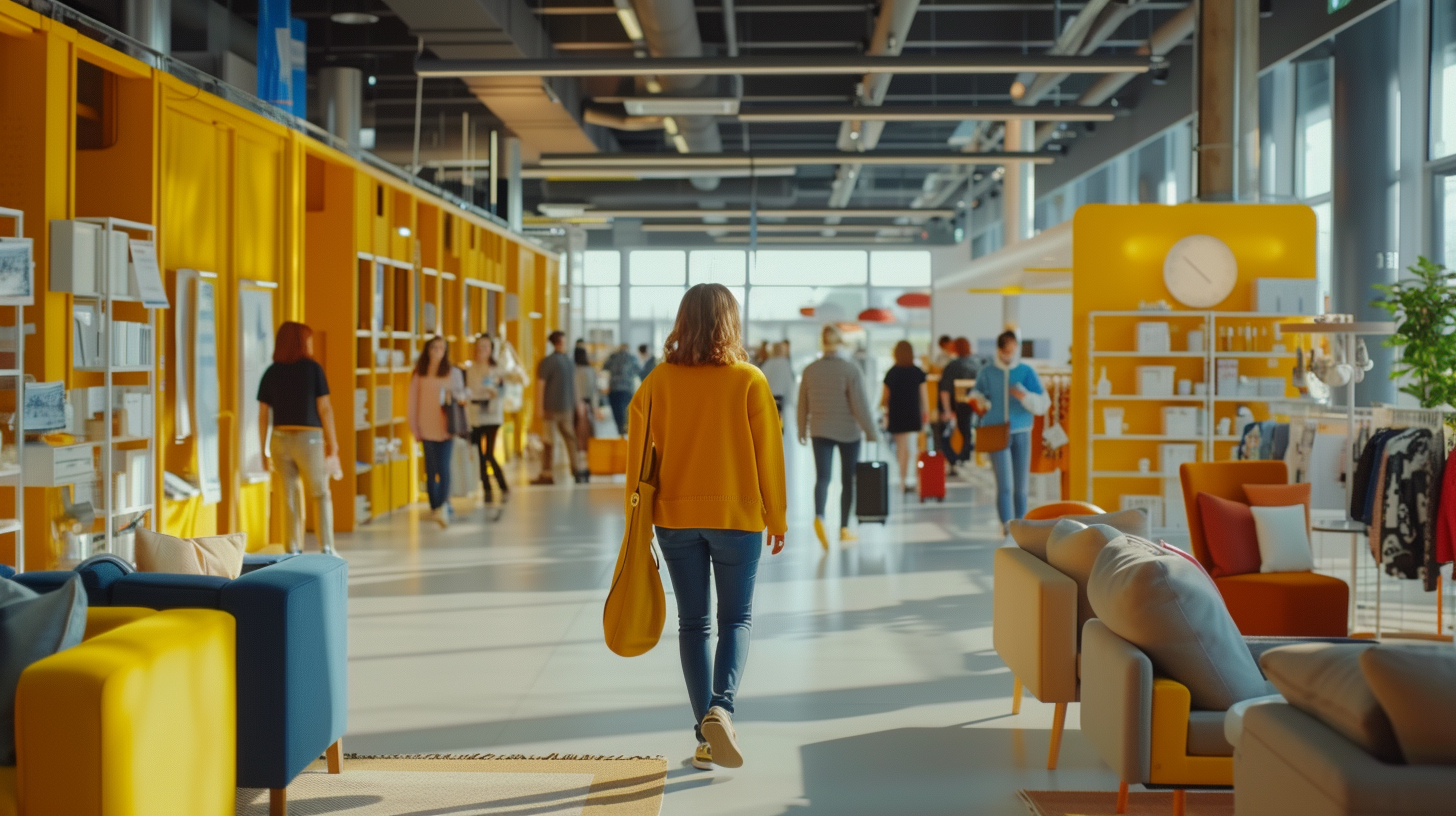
[(1025, 90), (892, 27), (594, 115), (739, 193), (670, 28)]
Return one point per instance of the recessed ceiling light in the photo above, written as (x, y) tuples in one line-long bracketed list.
[(354, 18), (373, 80)]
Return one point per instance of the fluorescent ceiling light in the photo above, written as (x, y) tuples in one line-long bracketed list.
[(780, 65), (562, 210), (630, 24), (769, 213), (923, 113), (631, 173), (813, 240), (872, 229), (680, 106), (354, 18), (759, 160)]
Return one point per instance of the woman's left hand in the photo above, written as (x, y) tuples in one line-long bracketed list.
[(775, 543)]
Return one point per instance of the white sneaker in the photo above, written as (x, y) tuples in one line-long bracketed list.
[(441, 518), (717, 728)]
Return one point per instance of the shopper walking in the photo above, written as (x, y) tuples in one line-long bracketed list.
[(831, 404), (648, 360), (902, 398), (963, 367), (434, 385), (556, 406), (1008, 392), (485, 382), (622, 372), (718, 492), (293, 396), (589, 401), (780, 374)]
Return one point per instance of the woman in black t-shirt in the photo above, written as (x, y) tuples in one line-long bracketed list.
[(903, 400), (294, 396)]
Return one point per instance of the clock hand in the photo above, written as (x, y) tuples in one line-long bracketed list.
[(1206, 278)]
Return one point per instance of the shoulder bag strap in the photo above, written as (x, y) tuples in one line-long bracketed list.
[(648, 472)]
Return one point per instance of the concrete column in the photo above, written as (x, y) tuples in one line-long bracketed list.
[(341, 97), (149, 21), (1366, 232), (513, 183), (1228, 100), (1018, 186)]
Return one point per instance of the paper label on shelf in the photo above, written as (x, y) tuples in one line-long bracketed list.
[(148, 275)]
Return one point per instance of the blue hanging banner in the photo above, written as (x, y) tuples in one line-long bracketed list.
[(299, 41), (275, 53)]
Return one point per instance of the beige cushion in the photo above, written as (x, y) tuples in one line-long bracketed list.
[(209, 555), (1032, 535), (1162, 604), (1416, 686), (1071, 549), (1325, 681)]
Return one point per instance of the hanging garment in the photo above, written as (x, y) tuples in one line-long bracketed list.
[(1362, 488), (1410, 492), (1279, 441), (1301, 445), (1446, 519)]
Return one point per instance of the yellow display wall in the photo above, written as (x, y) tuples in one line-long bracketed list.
[(1117, 262), (92, 132)]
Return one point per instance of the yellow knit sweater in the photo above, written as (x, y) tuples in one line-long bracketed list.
[(720, 448)]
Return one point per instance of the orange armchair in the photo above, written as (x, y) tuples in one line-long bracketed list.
[(1277, 603), (1063, 508)]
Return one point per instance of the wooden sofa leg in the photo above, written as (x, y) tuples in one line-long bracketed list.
[(1122, 797), (1180, 802), (335, 755), (278, 802), (1059, 720), (1015, 694)]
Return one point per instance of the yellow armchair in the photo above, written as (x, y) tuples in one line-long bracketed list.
[(137, 720)]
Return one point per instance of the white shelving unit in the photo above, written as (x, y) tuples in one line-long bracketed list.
[(116, 512), (13, 475)]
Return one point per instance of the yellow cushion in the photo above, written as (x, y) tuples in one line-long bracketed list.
[(209, 555), (9, 802), (103, 619)]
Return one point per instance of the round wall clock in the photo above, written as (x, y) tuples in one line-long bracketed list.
[(1200, 271)]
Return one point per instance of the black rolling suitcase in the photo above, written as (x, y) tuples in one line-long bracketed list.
[(872, 491)]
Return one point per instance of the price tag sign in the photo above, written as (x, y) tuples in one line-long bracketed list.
[(148, 275)]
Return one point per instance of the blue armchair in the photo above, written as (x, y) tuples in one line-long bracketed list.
[(292, 652)]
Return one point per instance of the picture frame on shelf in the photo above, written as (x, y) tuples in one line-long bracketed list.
[(17, 272)]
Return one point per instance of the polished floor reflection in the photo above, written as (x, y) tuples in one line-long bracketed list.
[(871, 687)]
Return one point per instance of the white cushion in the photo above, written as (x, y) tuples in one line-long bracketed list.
[(1233, 719), (1283, 539)]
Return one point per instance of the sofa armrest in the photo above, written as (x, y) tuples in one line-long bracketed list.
[(138, 720), (292, 665), (1034, 609), (1289, 762), (1117, 702)]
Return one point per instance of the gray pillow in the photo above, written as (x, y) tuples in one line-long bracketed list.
[(32, 627), (1072, 549), (1161, 603), (1324, 680), (1032, 535), (1415, 685)]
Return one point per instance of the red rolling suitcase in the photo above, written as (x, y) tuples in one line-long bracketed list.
[(930, 470)]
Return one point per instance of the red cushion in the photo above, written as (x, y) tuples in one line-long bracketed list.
[(1230, 536)]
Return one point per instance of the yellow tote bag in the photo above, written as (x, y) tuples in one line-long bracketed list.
[(636, 608)]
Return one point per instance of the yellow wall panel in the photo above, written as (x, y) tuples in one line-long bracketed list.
[(259, 180)]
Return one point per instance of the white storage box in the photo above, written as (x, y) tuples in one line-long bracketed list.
[(1171, 455), (1156, 381), (1271, 386), (1154, 338), (1226, 377), (75, 257), (1287, 296), (47, 466), (1152, 505), (1181, 421)]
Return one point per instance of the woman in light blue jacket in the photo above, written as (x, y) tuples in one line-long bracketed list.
[(1010, 391)]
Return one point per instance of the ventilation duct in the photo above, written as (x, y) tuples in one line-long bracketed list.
[(774, 193), (670, 29)]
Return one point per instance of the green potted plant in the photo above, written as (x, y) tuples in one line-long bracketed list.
[(1424, 310)]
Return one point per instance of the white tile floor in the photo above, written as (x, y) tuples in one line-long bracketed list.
[(871, 687)]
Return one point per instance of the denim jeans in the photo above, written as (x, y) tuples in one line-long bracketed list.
[(619, 401), (437, 472), (823, 461), (1011, 466), (731, 556)]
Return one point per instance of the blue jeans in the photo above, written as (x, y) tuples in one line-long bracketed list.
[(823, 462), (619, 400), (437, 472), (731, 556), (1011, 465)]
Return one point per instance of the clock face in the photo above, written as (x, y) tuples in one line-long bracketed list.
[(1200, 271)]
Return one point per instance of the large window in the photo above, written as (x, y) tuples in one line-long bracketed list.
[(811, 267), (601, 268), (904, 269), (659, 267), (1159, 171), (1314, 144), (1443, 79), (726, 266)]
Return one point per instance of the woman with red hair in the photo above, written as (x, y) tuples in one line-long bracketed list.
[(294, 399)]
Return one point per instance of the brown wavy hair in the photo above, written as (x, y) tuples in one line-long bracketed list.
[(707, 331)]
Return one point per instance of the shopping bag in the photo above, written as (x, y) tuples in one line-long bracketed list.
[(636, 606)]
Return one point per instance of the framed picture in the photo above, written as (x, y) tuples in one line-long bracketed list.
[(17, 272), (45, 406)]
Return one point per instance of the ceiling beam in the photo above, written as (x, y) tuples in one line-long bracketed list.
[(872, 229), (779, 66), (667, 215), (923, 113), (785, 159)]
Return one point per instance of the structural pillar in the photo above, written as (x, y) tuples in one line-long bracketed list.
[(149, 21), (1228, 100), (341, 97), (1366, 230), (1018, 206), (513, 183)]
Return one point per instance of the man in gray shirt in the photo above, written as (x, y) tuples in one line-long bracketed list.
[(833, 411), (556, 406)]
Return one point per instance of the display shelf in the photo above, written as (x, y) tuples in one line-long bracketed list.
[(113, 369), (1271, 400), (1146, 438), (361, 468), (11, 372), (363, 372), (1149, 398), (1254, 355), (1368, 327), (10, 526), (9, 471), (1151, 354)]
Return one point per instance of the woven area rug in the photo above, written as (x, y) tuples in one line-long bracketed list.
[(473, 786), (1139, 803)]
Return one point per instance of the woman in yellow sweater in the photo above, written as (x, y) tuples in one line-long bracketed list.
[(720, 454)]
